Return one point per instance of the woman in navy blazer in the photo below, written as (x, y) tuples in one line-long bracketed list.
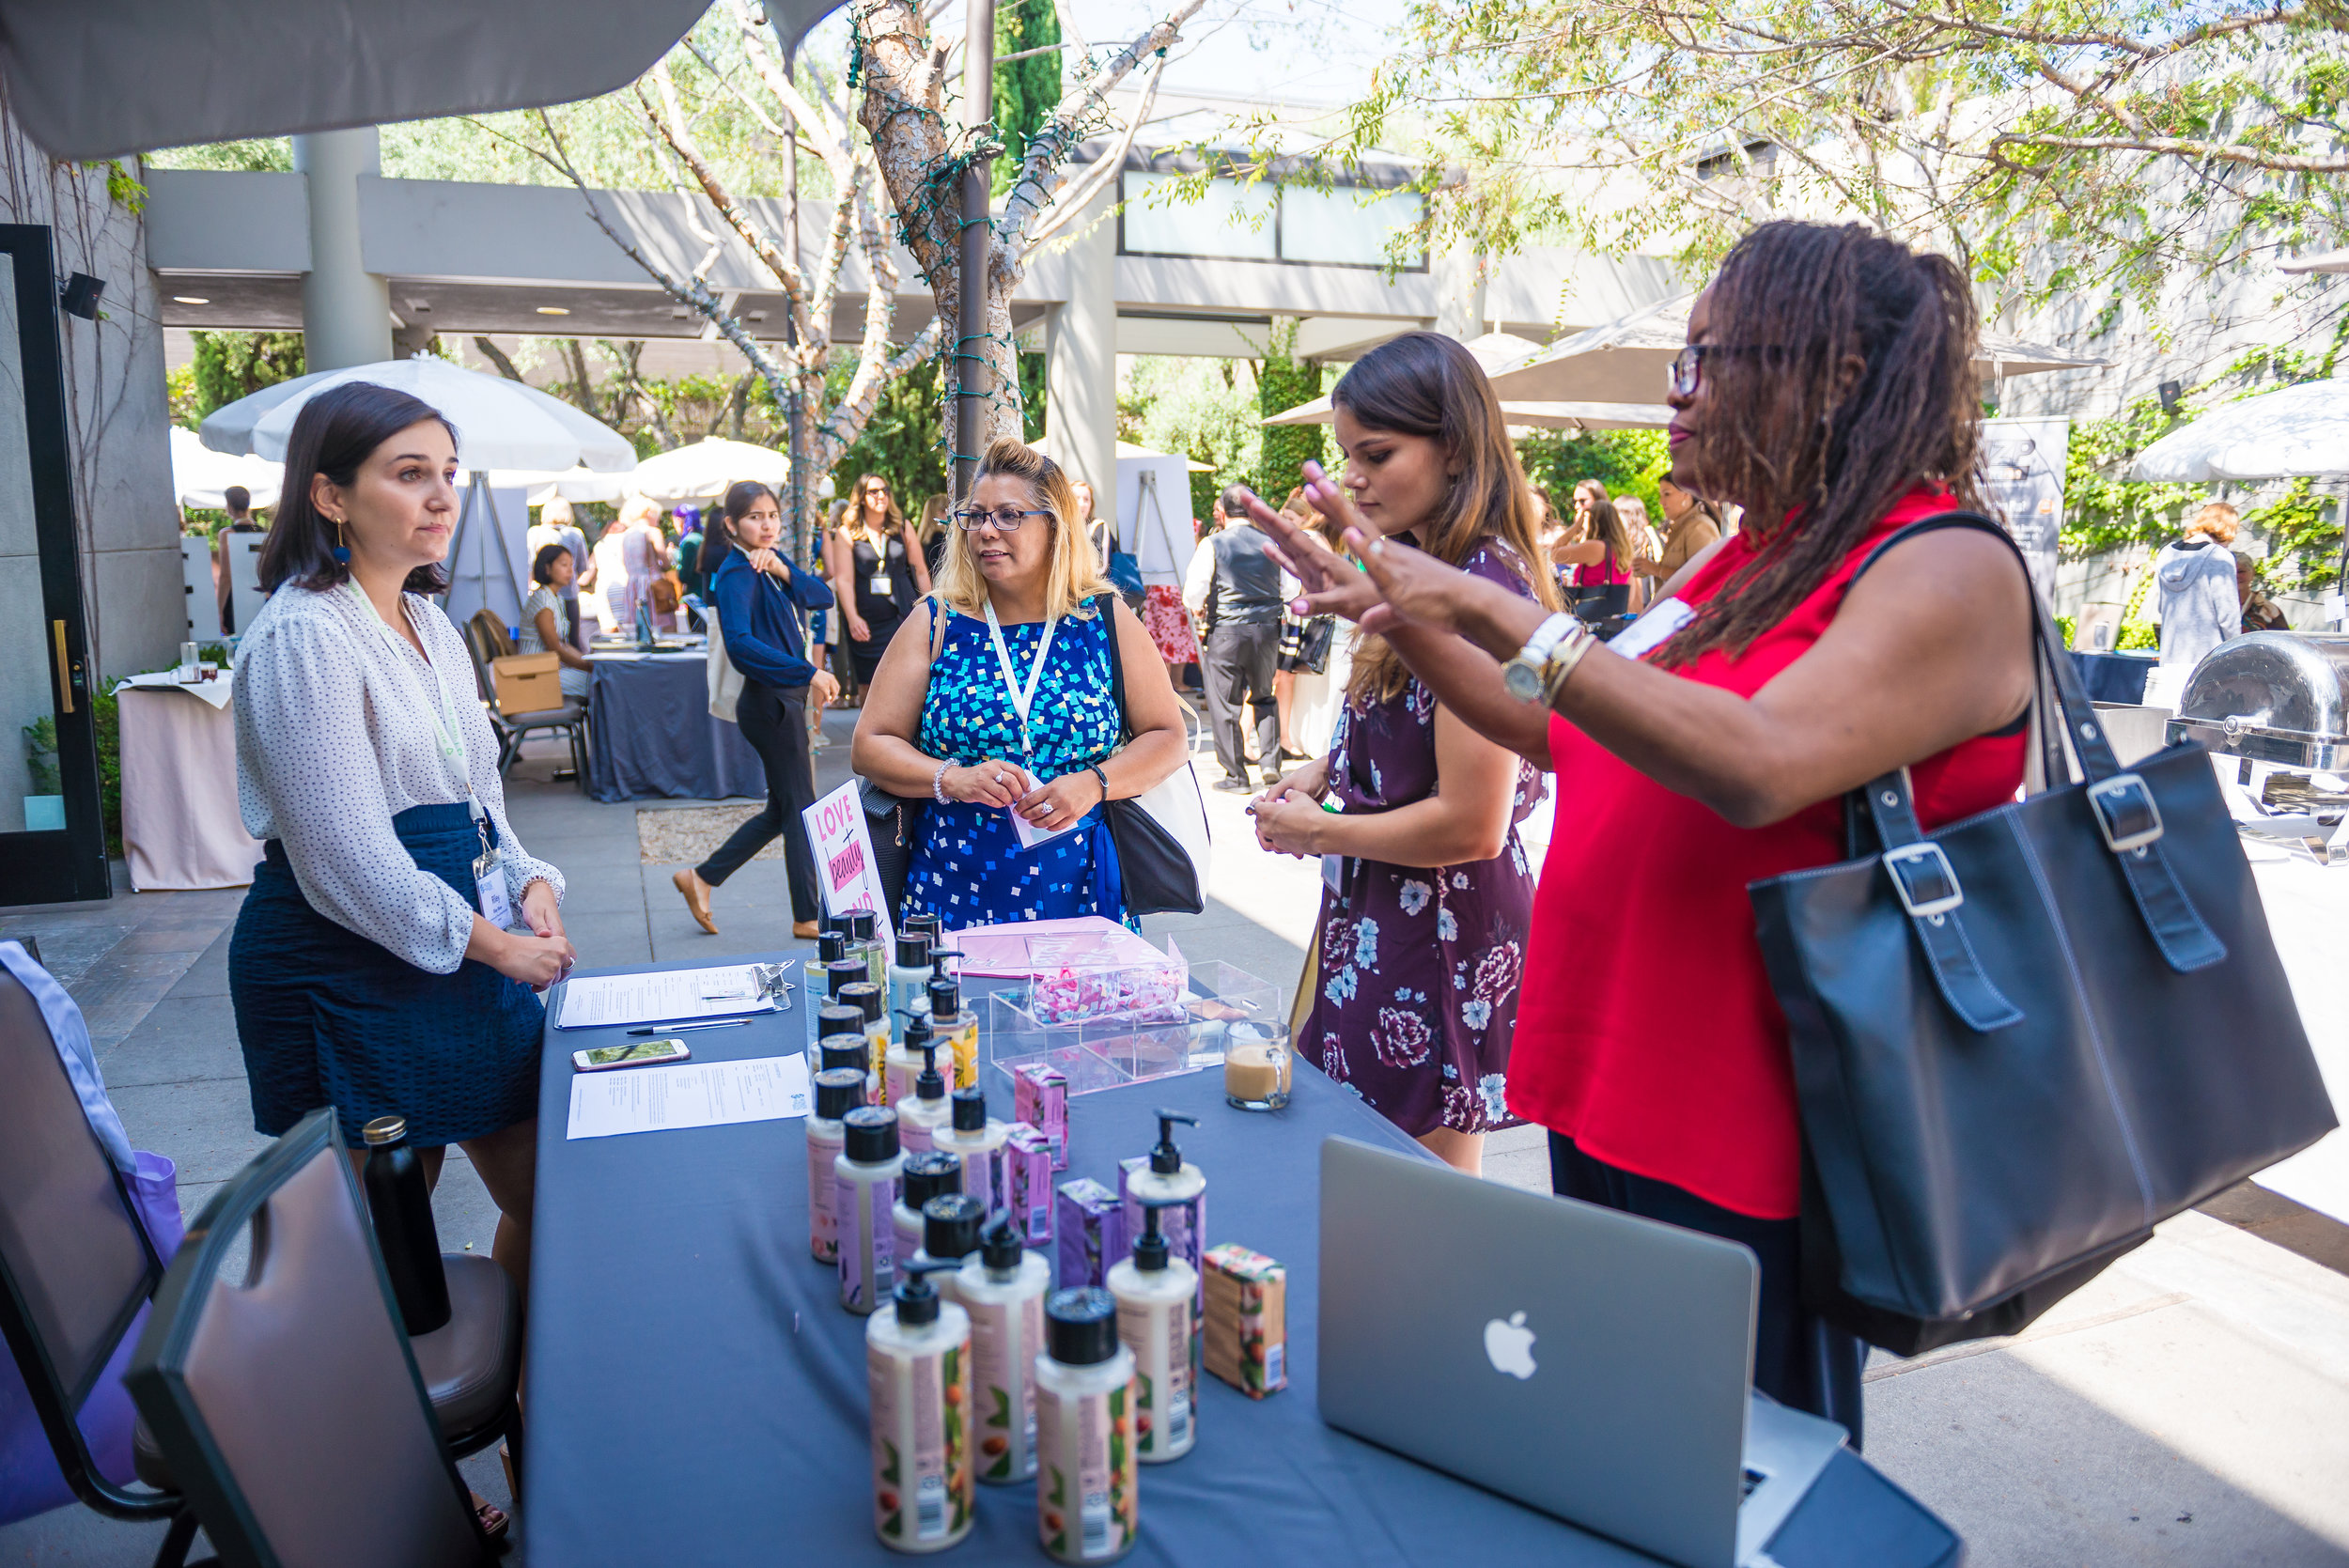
[(758, 595)]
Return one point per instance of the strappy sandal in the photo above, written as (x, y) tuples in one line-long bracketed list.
[(494, 1521)]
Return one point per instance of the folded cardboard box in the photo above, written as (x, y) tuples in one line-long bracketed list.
[(527, 682)]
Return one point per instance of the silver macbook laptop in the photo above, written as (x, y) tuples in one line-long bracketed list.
[(1589, 1363)]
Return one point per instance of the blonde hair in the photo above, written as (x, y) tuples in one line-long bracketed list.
[(1072, 574), (934, 517), (2219, 520), (1633, 512), (639, 508), (556, 512)]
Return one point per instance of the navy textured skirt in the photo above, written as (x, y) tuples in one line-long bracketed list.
[(328, 1017)]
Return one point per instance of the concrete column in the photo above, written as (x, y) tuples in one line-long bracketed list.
[(346, 309), (1080, 360), (1460, 312)]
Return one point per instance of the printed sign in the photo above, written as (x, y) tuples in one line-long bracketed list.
[(844, 857), (2022, 470)]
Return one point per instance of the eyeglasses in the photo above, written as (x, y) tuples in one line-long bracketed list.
[(1687, 370), (974, 519)]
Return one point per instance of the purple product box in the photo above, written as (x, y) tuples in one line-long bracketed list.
[(1028, 1178), (1184, 1225), (1092, 1240), (1039, 1097)]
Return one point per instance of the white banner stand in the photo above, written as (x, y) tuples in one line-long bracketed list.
[(489, 555)]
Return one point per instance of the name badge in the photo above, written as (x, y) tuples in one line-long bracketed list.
[(488, 885), (881, 583), (1664, 617)]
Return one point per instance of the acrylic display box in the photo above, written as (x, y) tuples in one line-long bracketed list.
[(1107, 1018)]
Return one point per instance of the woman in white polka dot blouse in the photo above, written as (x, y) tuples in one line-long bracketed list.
[(388, 959)]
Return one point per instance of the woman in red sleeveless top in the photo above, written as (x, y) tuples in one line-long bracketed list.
[(1828, 386)]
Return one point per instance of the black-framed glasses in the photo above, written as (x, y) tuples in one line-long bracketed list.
[(1687, 371), (973, 519)]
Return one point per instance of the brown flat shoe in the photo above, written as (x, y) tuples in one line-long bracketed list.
[(696, 900), (804, 929)]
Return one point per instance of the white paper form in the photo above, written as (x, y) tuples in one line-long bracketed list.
[(608, 1000), (689, 1095)]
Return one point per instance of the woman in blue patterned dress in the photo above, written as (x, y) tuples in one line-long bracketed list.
[(996, 706)]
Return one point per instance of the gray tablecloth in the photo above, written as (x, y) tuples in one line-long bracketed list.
[(698, 1395), (650, 733)]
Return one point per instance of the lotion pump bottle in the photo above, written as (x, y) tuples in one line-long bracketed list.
[(926, 1110), (1169, 1178), (950, 1233), (904, 1061), (838, 1091), (867, 997), (979, 1139), (917, 1362), (1003, 1289), (1154, 1293), (1086, 1506), (909, 976), (928, 1174), (864, 942), (956, 1029), (865, 1187)]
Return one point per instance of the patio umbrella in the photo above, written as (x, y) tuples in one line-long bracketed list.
[(702, 471), (2294, 432), (1543, 416), (1625, 361), (200, 475), (572, 484)]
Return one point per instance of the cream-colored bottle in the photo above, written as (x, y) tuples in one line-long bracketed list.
[(917, 1362), (1088, 1497), (1002, 1288), (837, 1092), (865, 1187), (1154, 1293), (979, 1139), (956, 1030), (903, 1064), (925, 1111)]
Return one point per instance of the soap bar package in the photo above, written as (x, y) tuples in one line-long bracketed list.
[(1039, 1097), (1028, 1177), (1184, 1225), (1092, 1228), (1247, 1320)]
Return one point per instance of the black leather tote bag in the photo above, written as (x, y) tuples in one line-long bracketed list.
[(1159, 874), (2024, 1040)]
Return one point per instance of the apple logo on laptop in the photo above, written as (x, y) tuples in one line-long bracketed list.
[(1510, 1346)]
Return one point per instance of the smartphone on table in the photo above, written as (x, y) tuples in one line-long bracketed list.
[(636, 1053)]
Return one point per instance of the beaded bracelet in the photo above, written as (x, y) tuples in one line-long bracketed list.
[(1094, 768), (938, 784)]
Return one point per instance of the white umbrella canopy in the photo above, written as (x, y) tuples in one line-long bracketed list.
[(2295, 431), (1495, 351), (200, 475), (501, 423), (702, 471), (572, 484), (1625, 361)]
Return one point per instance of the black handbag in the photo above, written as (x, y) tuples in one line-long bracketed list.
[(894, 822), (1158, 873), (1305, 645), (2024, 1040)]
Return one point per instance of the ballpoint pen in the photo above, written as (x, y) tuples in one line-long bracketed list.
[(680, 1028)]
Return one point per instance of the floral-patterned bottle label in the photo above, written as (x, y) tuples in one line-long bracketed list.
[(867, 1242), (1164, 1397), (921, 1445), (1086, 1488), (823, 1215), (1004, 1340)]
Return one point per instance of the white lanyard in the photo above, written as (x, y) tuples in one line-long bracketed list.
[(447, 733), (1022, 699)]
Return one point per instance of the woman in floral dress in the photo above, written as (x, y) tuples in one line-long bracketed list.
[(1428, 891)]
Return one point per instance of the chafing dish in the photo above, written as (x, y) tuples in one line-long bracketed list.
[(2271, 697)]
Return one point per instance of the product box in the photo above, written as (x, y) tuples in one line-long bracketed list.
[(1247, 1320), (1092, 1233), (1039, 1097), (1182, 1224), (1028, 1179), (527, 682)]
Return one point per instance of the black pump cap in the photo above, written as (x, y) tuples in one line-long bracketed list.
[(843, 1050), (1166, 1159), (1150, 1251), (937, 959), (838, 1018), (917, 1028), (831, 946), (838, 1091), (913, 949), (1000, 1244), (861, 926), (864, 994), (970, 1110), (926, 924), (840, 974), (945, 996), (1080, 1326), (928, 1084), (950, 1225), (916, 1298), (872, 1134), (932, 1173)]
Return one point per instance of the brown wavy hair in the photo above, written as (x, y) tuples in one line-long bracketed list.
[(1817, 462), (335, 433), (1425, 384)]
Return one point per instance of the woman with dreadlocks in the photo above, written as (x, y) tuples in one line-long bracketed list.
[(1827, 388)]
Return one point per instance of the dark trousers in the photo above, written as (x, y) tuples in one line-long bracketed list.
[(1239, 670), (1799, 1359), (775, 723)]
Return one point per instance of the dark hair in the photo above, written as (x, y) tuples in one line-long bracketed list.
[(335, 433), (1234, 500), (1425, 384), (542, 564), (1607, 524), (236, 498), (1817, 462)]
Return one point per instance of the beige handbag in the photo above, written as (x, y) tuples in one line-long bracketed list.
[(725, 681)]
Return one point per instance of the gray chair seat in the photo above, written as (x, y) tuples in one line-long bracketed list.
[(470, 1365), (549, 717)]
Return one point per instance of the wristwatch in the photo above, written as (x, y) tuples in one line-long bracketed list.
[(1525, 675)]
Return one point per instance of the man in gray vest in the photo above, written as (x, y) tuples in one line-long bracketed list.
[(1244, 601)]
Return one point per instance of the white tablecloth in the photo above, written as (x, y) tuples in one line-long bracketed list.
[(181, 827)]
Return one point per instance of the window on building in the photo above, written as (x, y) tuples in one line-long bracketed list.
[(1347, 226)]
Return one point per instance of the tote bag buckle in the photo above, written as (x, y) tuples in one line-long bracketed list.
[(2126, 812), (1924, 879)]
